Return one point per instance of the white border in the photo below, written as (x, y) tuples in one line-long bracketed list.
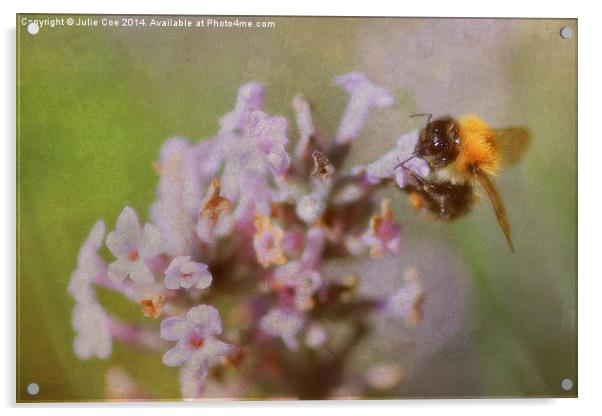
[(590, 152)]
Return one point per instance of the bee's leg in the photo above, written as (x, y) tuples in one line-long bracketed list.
[(402, 164), (437, 198), (418, 180)]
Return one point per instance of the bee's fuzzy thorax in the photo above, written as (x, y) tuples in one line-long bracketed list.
[(477, 147)]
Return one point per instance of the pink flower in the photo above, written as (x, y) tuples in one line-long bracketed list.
[(383, 235), (214, 218), (314, 247), (406, 302), (298, 282), (133, 245), (285, 324), (195, 335), (310, 207), (270, 136), (364, 97), (185, 273), (267, 242), (250, 98)]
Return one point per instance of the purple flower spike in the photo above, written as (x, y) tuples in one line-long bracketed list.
[(132, 245), (305, 124), (364, 97), (270, 135), (93, 337), (180, 191), (89, 266), (185, 273), (194, 334), (250, 98)]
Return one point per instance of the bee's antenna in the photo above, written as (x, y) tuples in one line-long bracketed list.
[(403, 164), (429, 115)]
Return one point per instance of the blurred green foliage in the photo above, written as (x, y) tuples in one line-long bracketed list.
[(95, 105)]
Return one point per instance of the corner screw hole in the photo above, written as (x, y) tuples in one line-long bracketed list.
[(33, 28), (33, 389), (566, 32), (566, 384)]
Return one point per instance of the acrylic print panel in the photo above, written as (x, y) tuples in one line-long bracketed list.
[(245, 208)]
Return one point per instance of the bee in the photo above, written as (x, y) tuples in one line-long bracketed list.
[(462, 153)]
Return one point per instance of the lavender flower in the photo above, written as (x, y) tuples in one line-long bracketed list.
[(285, 324), (93, 337), (180, 190), (266, 225), (406, 302), (387, 166), (364, 97), (299, 282), (267, 242), (133, 246), (250, 98), (383, 235), (195, 336), (270, 136), (185, 273), (311, 207), (89, 266), (305, 124)]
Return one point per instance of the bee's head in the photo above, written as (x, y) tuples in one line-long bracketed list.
[(439, 142)]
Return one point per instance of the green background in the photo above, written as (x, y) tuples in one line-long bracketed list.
[(95, 105)]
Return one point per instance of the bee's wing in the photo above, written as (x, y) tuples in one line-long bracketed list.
[(512, 143), (497, 204)]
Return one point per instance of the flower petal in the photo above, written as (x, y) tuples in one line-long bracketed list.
[(172, 329), (208, 317), (212, 352), (176, 264), (205, 280), (127, 233), (140, 273), (150, 243), (172, 281), (118, 270), (364, 96), (176, 356)]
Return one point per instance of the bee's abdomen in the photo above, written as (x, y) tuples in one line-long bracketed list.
[(444, 200)]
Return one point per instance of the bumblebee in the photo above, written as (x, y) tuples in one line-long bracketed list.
[(462, 153)]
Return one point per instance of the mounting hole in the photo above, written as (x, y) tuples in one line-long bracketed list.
[(566, 32), (566, 384), (33, 389), (33, 28)]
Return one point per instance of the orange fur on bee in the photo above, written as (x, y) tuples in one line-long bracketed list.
[(478, 150), (416, 200)]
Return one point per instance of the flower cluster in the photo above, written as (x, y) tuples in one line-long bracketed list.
[(240, 219)]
